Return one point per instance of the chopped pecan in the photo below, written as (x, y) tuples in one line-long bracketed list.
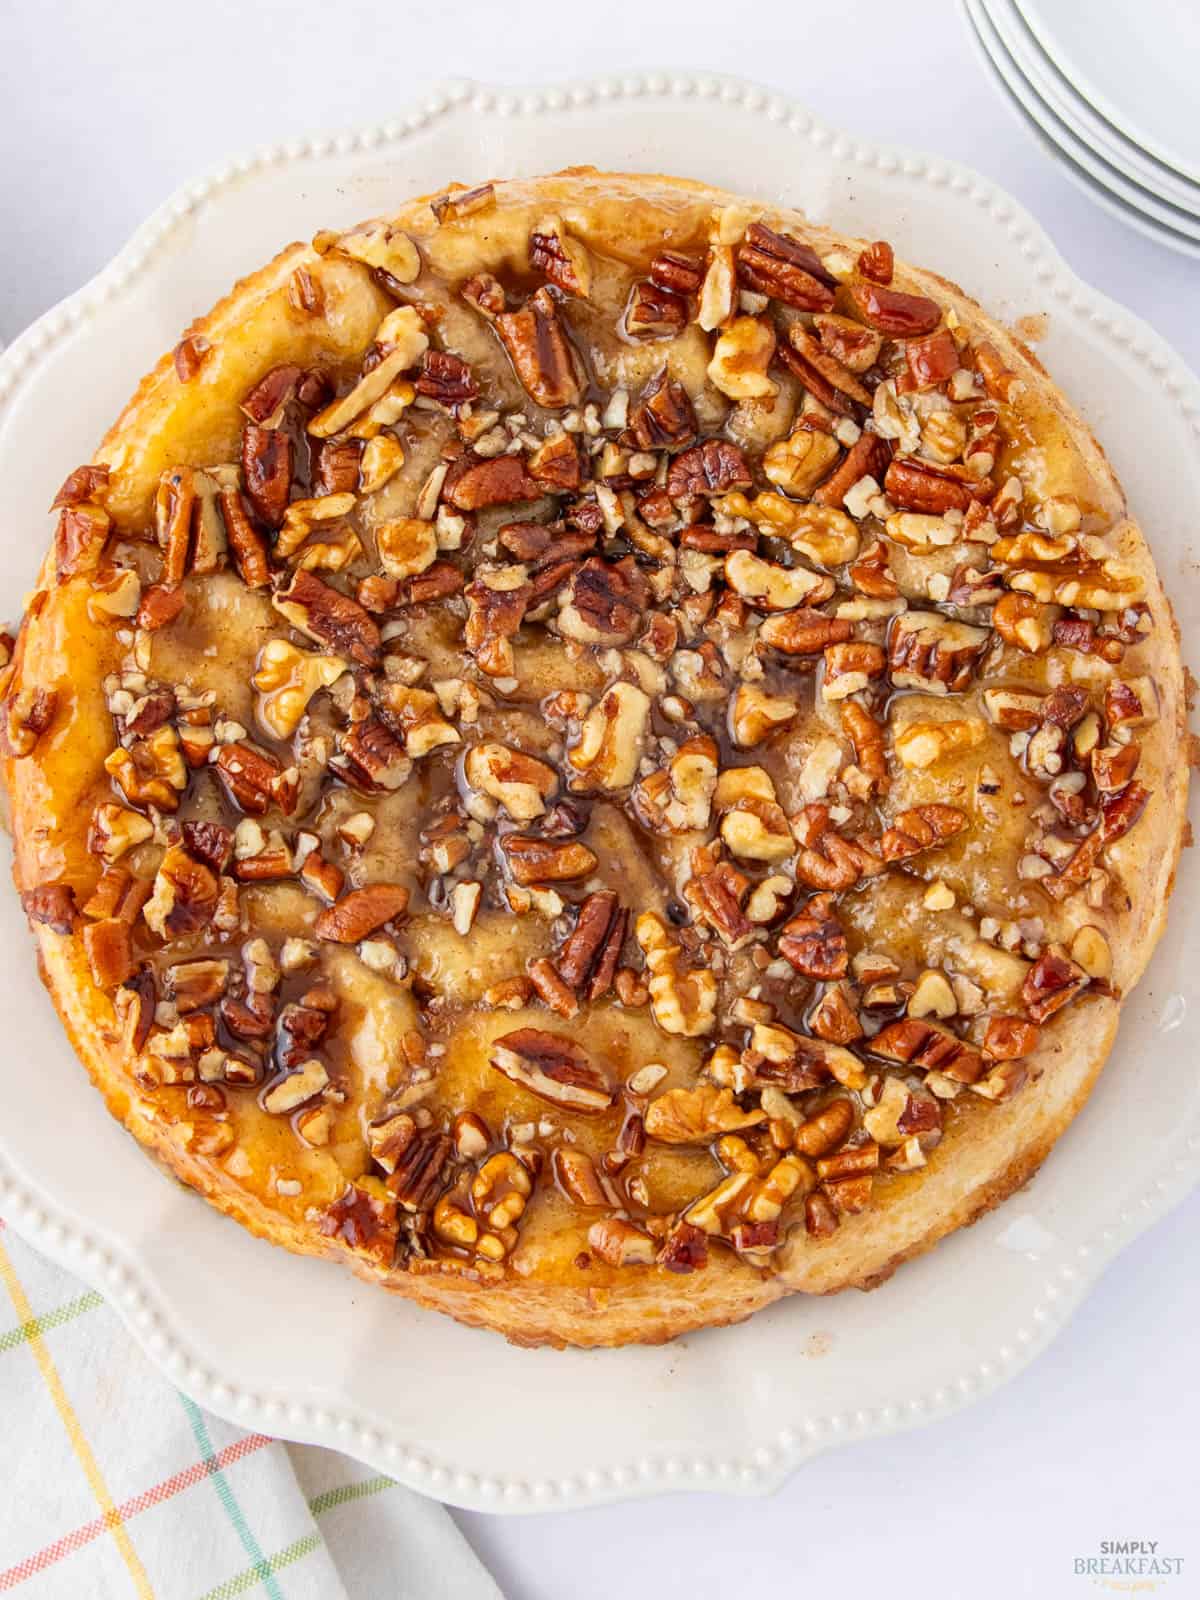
[(685, 1249), (80, 538), (28, 714), (370, 756), (51, 904), (694, 1116), (560, 257), (620, 1244), (826, 1130), (587, 962), (89, 483), (877, 262), (496, 609), (654, 312), (554, 465), (364, 1216), (267, 471), (554, 1068), (856, 347), (337, 464), (360, 912), (550, 988), (850, 667), (323, 613), (266, 401), (459, 202), (866, 735), (1010, 1038), (814, 941), (827, 860), (494, 481), (209, 842), (185, 895), (533, 860), (299, 1030), (519, 782), (663, 417), (1052, 981), (901, 316), (716, 898), (683, 1000), (775, 264), (609, 746), (189, 355)]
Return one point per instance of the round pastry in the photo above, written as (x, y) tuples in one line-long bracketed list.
[(599, 752)]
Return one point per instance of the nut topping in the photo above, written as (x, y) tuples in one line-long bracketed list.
[(554, 1068)]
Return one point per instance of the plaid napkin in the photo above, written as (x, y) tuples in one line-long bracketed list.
[(118, 1485)]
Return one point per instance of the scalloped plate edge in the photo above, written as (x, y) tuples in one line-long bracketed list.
[(128, 1285)]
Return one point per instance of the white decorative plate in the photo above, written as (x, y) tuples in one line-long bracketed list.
[(300, 1348)]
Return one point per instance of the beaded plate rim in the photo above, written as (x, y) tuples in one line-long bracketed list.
[(128, 1284)]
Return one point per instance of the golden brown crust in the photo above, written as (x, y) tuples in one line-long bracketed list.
[(171, 421)]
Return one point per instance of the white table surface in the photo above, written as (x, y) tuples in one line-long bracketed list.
[(106, 109)]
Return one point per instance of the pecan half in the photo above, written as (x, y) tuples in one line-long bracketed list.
[(1052, 981), (814, 941), (267, 471), (446, 378), (923, 1044), (714, 467), (920, 828), (323, 613), (254, 780), (535, 339), (867, 457), (247, 544), (663, 417), (360, 912), (498, 481), (889, 311), (917, 488), (805, 632), (554, 1068), (929, 651), (587, 962), (604, 602), (654, 312), (775, 264), (545, 860), (671, 269)]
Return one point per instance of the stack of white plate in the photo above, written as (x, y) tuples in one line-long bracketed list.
[(1110, 87)]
